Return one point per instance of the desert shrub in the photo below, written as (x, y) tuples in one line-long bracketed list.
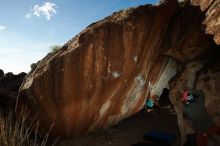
[(54, 48)]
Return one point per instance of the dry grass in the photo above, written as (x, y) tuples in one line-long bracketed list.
[(18, 131)]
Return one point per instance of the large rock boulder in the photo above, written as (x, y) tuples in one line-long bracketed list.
[(105, 73)]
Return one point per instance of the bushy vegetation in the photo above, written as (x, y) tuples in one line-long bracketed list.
[(18, 131), (54, 48)]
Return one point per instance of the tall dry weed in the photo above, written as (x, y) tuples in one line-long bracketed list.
[(17, 130)]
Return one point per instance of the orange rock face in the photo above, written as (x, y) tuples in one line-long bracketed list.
[(105, 73), (211, 8)]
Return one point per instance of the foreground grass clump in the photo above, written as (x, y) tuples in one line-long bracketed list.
[(18, 131)]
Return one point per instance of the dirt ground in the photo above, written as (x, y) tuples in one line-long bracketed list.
[(130, 130)]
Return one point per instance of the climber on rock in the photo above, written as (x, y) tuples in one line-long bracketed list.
[(194, 110)]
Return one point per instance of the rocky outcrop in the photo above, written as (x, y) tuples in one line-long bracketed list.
[(1, 73), (12, 82), (105, 73), (9, 86), (200, 75), (211, 9)]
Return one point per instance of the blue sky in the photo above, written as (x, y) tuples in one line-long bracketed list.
[(29, 27)]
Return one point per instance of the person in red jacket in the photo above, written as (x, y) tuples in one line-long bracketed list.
[(194, 110)]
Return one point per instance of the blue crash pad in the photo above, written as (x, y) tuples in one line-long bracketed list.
[(160, 137)]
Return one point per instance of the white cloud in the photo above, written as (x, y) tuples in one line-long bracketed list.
[(48, 9), (2, 28)]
